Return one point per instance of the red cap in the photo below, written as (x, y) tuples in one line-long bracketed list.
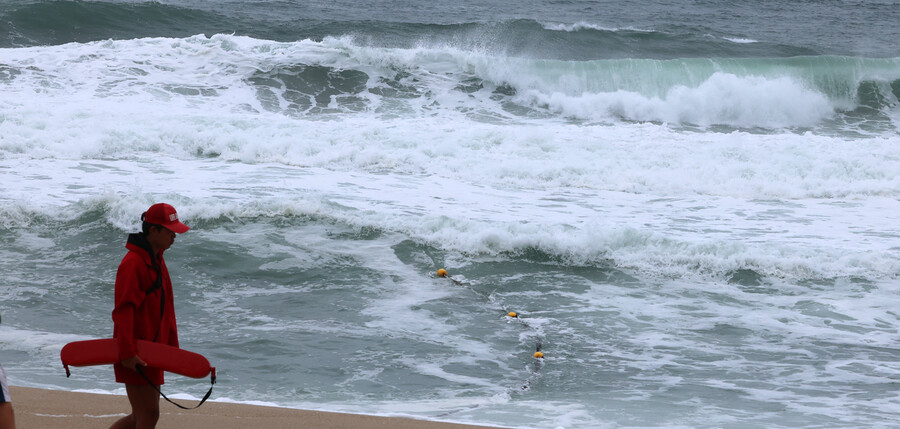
[(164, 215)]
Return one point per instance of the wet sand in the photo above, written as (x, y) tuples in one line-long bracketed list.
[(54, 409)]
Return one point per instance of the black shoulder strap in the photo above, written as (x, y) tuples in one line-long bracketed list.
[(140, 241), (157, 285)]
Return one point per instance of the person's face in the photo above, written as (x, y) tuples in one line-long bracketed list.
[(160, 238)]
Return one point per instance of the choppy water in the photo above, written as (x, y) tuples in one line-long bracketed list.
[(694, 207)]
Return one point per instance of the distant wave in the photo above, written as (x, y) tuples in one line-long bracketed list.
[(579, 26), (585, 26), (740, 40), (59, 22), (340, 76)]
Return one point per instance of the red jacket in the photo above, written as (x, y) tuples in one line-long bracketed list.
[(136, 314)]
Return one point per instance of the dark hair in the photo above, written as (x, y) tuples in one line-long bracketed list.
[(145, 227)]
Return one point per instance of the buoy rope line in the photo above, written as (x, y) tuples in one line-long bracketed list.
[(510, 315)]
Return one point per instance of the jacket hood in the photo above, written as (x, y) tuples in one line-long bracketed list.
[(138, 242)]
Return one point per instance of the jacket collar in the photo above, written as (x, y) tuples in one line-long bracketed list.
[(138, 243)]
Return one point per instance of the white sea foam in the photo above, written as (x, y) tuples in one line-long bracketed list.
[(578, 26), (722, 99), (740, 40), (126, 80), (639, 158), (22, 339), (481, 187), (676, 234)]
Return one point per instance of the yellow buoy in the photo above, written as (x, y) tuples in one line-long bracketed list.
[(442, 273), (512, 314), (538, 355)]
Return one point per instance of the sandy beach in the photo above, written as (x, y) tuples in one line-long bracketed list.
[(52, 409)]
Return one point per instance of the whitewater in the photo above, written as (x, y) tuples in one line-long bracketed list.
[(694, 240)]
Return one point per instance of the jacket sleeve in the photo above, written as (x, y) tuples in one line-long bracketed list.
[(129, 297)]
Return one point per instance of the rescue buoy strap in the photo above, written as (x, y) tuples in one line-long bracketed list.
[(205, 397)]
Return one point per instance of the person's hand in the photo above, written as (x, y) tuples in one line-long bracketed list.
[(132, 362)]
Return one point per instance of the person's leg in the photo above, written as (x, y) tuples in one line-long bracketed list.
[(144, 401), (126, 422), (7, 418)]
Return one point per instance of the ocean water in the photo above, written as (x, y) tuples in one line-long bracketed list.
[(693, 206)]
